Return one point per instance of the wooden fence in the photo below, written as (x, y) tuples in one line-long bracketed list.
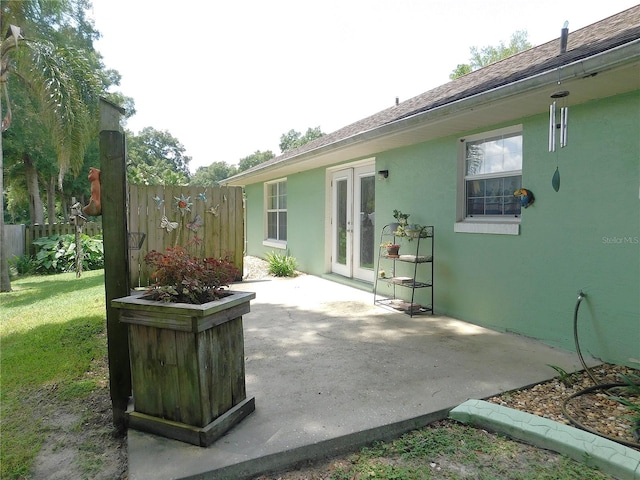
[(207, 221), (14, 236)]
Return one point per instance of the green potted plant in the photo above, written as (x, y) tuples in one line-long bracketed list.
[(403, 228), (187, 348), (401, 220), (412, 230)]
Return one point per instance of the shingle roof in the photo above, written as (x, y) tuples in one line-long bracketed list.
[(604, 35)]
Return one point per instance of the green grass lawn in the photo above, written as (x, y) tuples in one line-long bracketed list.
[(52, 331)]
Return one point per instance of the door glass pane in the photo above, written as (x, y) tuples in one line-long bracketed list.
[(341, 218), (367, 220)]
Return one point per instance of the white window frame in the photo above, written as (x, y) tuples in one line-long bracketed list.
[(273, 242), (496, 224)]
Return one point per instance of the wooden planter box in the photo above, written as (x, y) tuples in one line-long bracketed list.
[(187, 366)]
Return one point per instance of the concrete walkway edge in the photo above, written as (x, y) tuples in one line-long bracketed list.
[(290, 459), (608, 456)]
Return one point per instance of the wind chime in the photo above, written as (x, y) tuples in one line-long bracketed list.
[(562, 126), (554, 125)]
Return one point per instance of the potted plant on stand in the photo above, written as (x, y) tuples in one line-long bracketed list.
[(187, 348), (401, 221), (412, 230), (402, 228), (392, 249)]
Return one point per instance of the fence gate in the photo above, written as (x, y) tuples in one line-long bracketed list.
[(207, 221)]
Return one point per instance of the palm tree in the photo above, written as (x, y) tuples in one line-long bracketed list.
[(65, 85)]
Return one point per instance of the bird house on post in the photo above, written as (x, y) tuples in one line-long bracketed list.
[(116, 266)]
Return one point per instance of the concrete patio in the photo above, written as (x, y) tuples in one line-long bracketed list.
[(331, 372)]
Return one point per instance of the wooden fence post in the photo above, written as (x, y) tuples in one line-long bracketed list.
[(116, 274)]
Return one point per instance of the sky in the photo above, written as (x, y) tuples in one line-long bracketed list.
[(228, 78)]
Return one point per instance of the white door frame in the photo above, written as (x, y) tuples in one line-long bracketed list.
[(358, 271), (351, 222)]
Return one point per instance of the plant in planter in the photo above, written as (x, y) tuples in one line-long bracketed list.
[(401, 220), (181, 277), (413, 230), (399, 225), (392, 249), (187, 348), (403, 228)]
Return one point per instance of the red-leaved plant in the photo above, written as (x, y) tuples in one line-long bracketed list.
[(181, 277)]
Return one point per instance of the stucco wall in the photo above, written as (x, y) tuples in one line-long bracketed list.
[(584, 237), (305, 220)]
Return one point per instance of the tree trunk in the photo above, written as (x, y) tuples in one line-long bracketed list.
[(36, 209), (51, 200), (5, 281), (64, 206)]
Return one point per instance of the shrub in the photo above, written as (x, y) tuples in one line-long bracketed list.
[(23, 265), (281, 265), (57, 253), (182, 277)]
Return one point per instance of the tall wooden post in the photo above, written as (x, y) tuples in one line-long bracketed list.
[(116, 266)]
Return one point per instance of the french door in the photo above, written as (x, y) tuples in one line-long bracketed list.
[(353, 222)]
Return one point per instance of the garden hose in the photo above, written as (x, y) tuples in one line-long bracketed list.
[(581, 296), (596, 385)]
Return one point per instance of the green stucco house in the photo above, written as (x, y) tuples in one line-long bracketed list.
[(561, 120)]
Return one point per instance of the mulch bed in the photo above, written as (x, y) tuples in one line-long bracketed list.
[(593, 411)]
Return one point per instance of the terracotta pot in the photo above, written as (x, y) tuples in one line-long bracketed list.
[(393, 251)]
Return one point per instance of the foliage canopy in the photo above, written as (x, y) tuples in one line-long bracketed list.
[(155, 157), (481, 57), (293, 139)]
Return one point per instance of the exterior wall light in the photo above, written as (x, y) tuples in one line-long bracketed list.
[(382, 174)]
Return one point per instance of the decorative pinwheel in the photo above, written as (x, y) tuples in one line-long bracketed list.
[(183, 204)]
